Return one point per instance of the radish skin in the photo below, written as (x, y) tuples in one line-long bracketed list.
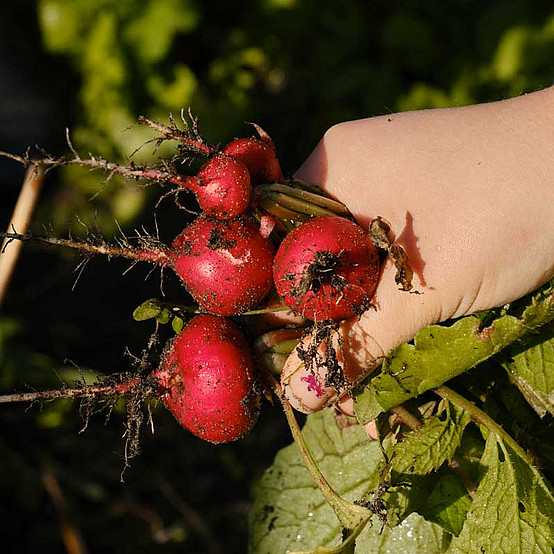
[(327, 269), (207, 380), (225, 265), (260, 158)]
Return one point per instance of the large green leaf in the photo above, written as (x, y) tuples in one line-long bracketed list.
[(414, 458), (290, 514), (513, 509), (427, 448), (439, 353), (413, 536)]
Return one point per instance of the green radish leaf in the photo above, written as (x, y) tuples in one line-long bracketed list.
[(164, 316), (147, 310), (448, 503), (289, 514), (540, 310), (424, 450), (413, 536), (177, 324), (414, 458), (470, 453), (439, 353), (513, 509), (532, 370), (394, 503)]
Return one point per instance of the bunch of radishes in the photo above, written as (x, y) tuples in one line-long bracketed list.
[(257, 232), (207, 376), (326, 268)]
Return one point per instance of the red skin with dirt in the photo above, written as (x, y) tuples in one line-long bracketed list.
[(223, 187), (225, 265), (327, 269), (207, 380)]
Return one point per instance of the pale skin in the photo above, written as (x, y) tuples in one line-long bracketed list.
[(469, 193)]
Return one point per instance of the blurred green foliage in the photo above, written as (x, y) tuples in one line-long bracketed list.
[(295, 67)]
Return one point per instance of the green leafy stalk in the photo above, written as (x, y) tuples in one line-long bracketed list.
[(480, 417), (351, 516)]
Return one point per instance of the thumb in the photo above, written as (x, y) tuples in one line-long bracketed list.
[(311, 380)]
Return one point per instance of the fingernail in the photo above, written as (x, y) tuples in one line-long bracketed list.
[(306, 398)]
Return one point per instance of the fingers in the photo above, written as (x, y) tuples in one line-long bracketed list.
[(346, 406), (359, 344)]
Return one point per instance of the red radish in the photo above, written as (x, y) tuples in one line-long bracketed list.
[(259, 156), (222, 187), (225, 265), (207, 380), (327, 269)]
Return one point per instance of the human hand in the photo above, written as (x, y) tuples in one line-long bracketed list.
[(469, 193)]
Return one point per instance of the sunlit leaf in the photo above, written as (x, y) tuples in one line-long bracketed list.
[(439, 353), (290, 514), (513, 510), (427, 448)]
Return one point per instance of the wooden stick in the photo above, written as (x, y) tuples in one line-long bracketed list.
[(71, 534), (20, 220)]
